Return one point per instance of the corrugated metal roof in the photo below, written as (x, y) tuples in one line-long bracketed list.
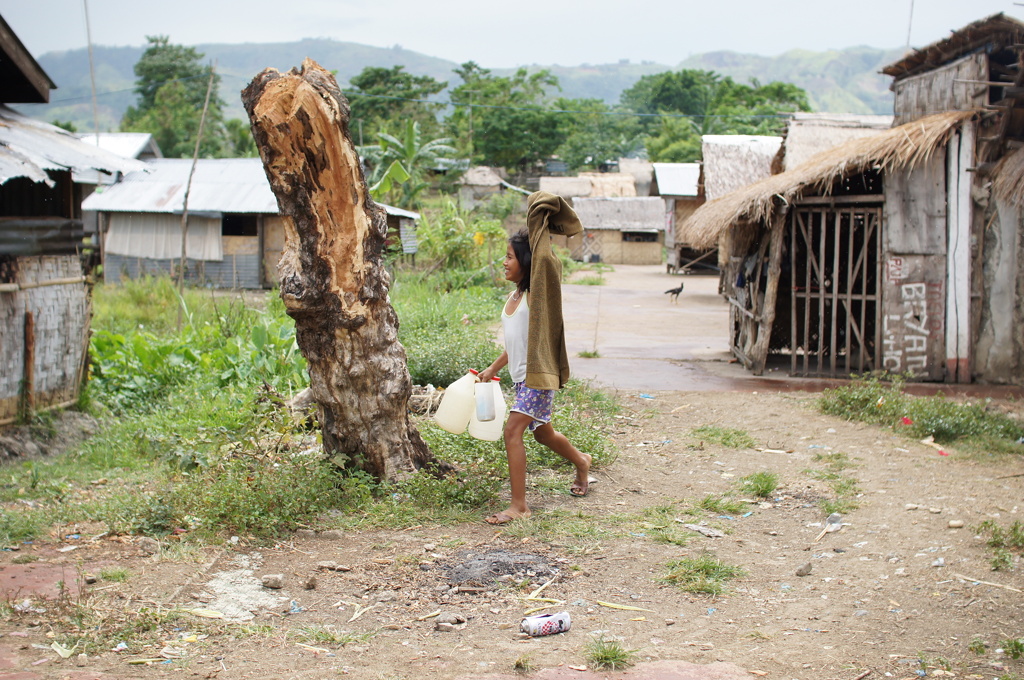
[(677, 179), (644, 213), (28, 148), (224, 185), (127, 144), (220, 185)]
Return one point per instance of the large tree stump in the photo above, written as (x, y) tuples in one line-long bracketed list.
[(333, 280)]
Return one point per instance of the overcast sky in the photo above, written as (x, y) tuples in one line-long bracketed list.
[(497, 35)]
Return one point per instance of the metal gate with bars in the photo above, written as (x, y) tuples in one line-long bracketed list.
[(835, 272)]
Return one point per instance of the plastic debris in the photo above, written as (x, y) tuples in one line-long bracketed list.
[(612, 605)]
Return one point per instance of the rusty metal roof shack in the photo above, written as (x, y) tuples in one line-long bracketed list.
[(901, 251), (235, 231), (44, 305)]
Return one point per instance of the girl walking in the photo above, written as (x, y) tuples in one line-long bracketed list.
[(535, 347)]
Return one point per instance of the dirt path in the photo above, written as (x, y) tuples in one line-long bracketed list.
[(903, 589)]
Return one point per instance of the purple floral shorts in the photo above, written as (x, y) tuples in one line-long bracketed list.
[(535, 403)]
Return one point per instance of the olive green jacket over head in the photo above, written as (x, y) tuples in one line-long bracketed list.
[(547, 362)]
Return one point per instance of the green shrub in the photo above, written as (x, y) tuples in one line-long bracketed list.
[(874, 401), (726, 436)]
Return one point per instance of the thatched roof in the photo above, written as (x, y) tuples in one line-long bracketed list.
[(1008, 184), (992, 33), (644, 213), (734, 161), (905, 146), (808, 134), (566, 187), (610, 184)]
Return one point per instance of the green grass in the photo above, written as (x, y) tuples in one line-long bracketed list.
[(115, 574), (589, 280), (720, 505), (971, 425), (573, 531), (702, 574), (761, 484), (728, 437), (588, 354), (327, 635), (1004, 542), (843, 486), (609, 655)]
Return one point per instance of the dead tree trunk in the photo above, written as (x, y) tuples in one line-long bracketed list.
[(333, 280)]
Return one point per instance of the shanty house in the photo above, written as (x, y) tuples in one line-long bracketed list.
[(591, 185), (900, 251), (478, 185), (680, 186), (621, 230), (234, 236), (44, 298)]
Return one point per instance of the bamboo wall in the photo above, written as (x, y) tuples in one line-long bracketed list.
[(942, 89), (44, 316)]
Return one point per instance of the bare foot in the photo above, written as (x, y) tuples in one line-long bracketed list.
[(581, 485), (506, 516)]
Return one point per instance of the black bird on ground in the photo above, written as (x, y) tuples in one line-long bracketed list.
[(673, 293)]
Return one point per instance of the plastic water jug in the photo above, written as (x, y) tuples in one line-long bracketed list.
[(490, 430), (484, 394), (457, 404)]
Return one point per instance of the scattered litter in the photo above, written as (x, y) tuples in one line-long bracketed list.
[(315, 650), (645, 396), (747, 514), (706, 531), (120, 647), (612, 605), (429, 616), (939, 562), (205, 613), (67, 548), (711, 610), (295, 608), (360, 611), (833, 523), (930, 441), (25, 607), (63, 651)]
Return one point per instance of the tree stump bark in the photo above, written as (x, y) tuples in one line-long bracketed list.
[(333, 280)]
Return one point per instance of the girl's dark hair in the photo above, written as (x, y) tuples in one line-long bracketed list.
[(520, 242)]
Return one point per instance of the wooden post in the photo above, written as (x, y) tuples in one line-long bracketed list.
[(28, 398), (759, 354), (332, 275)]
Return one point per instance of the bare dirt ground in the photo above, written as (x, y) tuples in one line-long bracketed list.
[(896, 591)]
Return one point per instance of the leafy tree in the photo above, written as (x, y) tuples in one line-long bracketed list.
[(711, 104), (239, 139), (383, 98), (65, 125), (594, 132), (504, 121), (171, 84), (414, 153)]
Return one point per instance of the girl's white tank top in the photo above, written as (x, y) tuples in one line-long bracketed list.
[(516, 327)]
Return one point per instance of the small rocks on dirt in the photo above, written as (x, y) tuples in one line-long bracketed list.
[(309, 583), (332, 566), (90, 578), (955, 524), (332, 535), (305, 533), (149, 545), (81, 659), (449, 622), (935, 511), (804, 569), (273, 581)]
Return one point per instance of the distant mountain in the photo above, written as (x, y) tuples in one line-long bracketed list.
[(836, 81)]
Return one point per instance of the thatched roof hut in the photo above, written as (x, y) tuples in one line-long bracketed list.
[(901, 147), (734, 161)]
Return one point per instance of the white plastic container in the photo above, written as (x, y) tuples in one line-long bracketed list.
[(457, 404), (490, 430), (484, 394)]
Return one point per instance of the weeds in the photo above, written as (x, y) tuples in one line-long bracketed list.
[(731, 438), (589, 280), (702, 574), (720, 505), (523, 664), (608, 654), (844, 487), (761, 484), (328, 635), (115, 574), (1013, 647), (972, 425), (1004, 542), (589, 354)]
